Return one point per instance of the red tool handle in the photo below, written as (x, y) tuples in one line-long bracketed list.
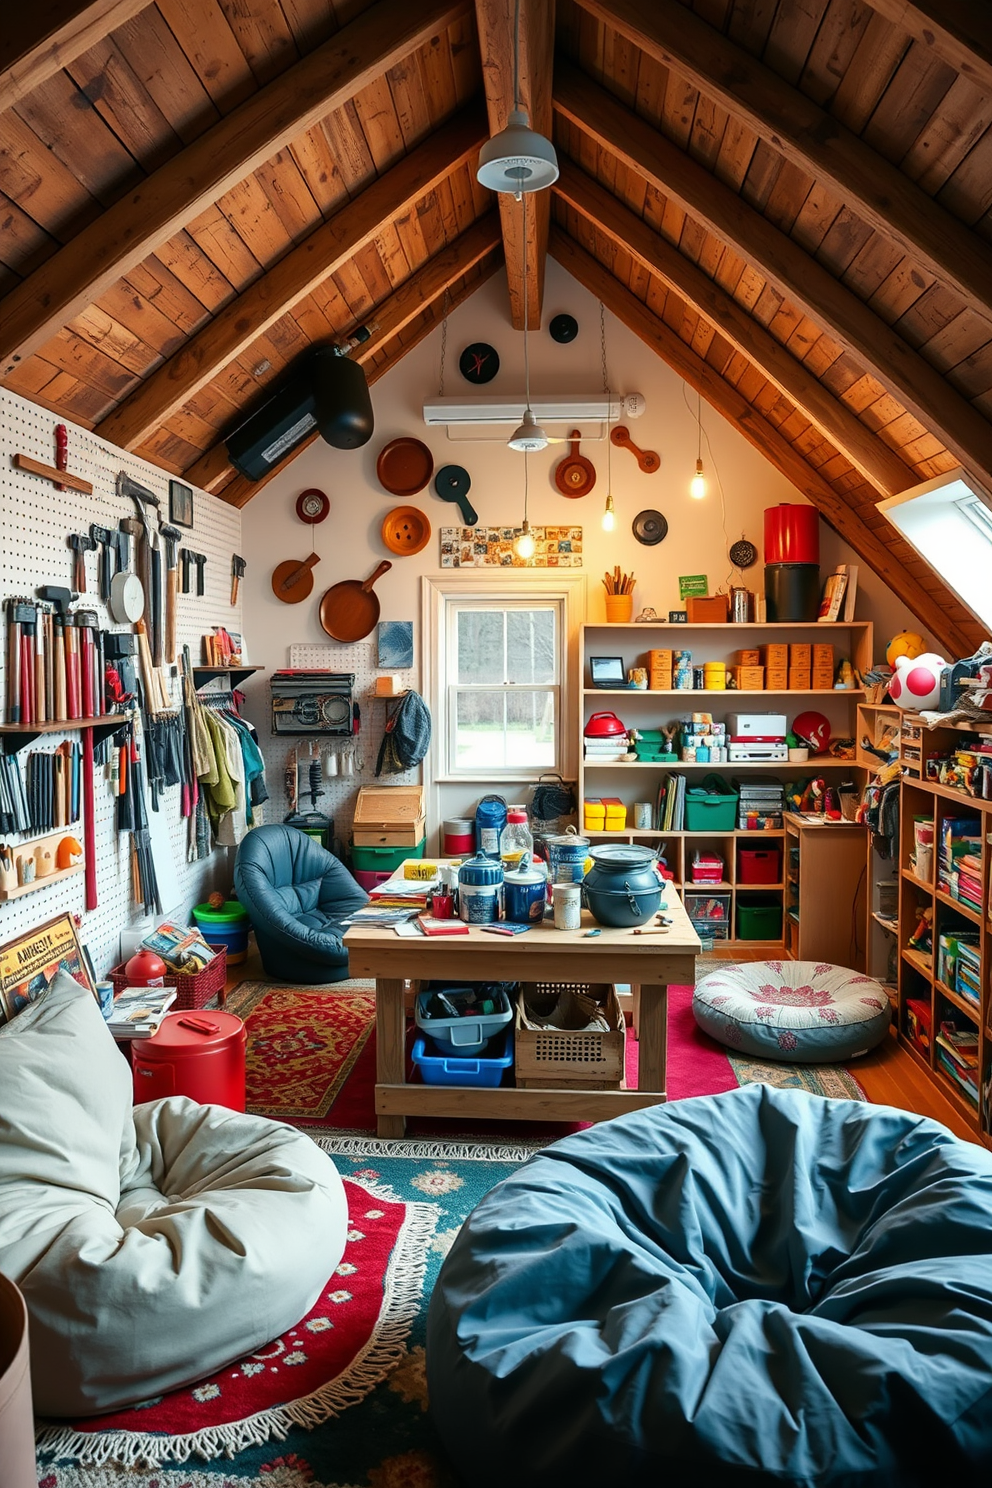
[(61, 451), (86, 673), (89, 820)]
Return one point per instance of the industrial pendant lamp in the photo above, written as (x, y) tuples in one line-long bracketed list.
[(518, 159), (697, 486), (528, 436), (524, 544)]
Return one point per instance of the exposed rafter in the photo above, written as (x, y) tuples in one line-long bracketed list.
[(833, 418), (960, 34), (724, 397), (213, 471), (194, 178), (290, 280), (919, 387), (810, 138), (37, 41), (537, 27)]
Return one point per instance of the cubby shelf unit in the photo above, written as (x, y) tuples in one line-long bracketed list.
[(638, 780)]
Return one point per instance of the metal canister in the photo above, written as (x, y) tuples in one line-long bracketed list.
[(524, 893), (480, 890), (740, 605), (566, 856)]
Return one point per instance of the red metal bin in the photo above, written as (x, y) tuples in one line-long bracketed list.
[(199, 1054)]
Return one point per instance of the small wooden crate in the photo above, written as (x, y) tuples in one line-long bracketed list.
[(799, 679), (749, 678), (708, 609), (800, 655), (660, 661), (776, 679), (555, 1059), (823, 655), (775, 655), (751, 657)]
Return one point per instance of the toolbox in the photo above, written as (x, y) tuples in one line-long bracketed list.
[(389, 816)]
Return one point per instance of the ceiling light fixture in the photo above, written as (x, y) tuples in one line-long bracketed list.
[(524, 544), (518, 159), (528, 436), (697, 486)]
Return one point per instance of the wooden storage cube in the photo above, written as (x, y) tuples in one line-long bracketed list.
[(389, 816), (800, 679), (659, 661), (750, 657), (800, 654), (776, 679), (554, 1059), (660, 681), (708, 609), (823, 654), (749, 678), (823, 681), (775, 655)]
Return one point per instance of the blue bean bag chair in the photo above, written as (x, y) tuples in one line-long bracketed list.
[(751, 1288), (296, 895)]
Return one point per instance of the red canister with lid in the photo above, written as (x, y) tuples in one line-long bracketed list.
[(792, 534), (458, 838)]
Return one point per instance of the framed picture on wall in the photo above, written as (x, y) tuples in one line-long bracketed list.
[(180, 504), (28, 963)]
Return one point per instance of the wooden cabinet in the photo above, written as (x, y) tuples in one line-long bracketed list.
[(824, 888)]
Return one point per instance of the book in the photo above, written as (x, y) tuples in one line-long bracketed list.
[(834, 590), (506, 927), (850, 598), (180, 947), (138, 1011), (430, 926)]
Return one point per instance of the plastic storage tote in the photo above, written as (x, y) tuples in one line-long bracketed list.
[(710, 915), (759, 921), (486, 1070), (759, 865), (463, 1036), (707, 811), (384, 859)]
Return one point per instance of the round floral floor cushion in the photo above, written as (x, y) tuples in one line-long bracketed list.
[(806, 1012), (756, 1288)]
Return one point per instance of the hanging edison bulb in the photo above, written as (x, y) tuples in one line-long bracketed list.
[(697, 486), (523, 544), (609, 518)]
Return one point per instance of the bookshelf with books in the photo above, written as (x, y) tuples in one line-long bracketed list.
[(745, 903), (945, 932), (879, 736)]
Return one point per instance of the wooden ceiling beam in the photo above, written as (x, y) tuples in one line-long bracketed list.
[(727, 401), (959, 34), (214, 472), (194, 178), (324, 252), (537, 34), (810, 138), (876, 461), (38, 40), (797, 276)]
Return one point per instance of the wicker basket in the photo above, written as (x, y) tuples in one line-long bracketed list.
[(555, 1059), (192, 992)]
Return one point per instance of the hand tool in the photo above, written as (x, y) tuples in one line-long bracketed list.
[(150, 559), (28, 617), (200, 559), (102, 537), (59, 597), (17, 611), (123, 547), (171, 538), (40, 711), (81, 544), (89, 820), (61, 452), (186, 561), (237, 574), (72, 679)]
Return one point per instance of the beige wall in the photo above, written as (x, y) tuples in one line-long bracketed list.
[(349, 541)]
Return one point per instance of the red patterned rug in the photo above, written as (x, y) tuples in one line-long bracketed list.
[(351, 1340)]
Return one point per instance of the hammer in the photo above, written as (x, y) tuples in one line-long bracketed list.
[(104, 538), (80, 544), (60, 600), (237, 574), (200, 559), (172, 537)]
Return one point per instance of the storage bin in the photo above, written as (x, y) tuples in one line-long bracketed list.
[(707, 868), (708, 609), (485, 1070), (749, 678), (389, 816), (462, 1038), (705, 812), (192, 992), (709, 910), (619, 608), (384, 859), (367, 880), (225, 929), (759, 921), (552, 1058), (758, 865)]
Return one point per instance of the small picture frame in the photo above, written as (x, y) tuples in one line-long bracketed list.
[(180, 504)]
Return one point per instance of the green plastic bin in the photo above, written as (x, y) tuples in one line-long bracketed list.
[(710, 813), (384, 859), (759, 919)]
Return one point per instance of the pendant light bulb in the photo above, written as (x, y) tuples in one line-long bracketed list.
[(524, 545), (528, 436), (697, 486), (609, 515)]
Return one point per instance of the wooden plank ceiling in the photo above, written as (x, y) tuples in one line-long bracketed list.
[(789, 200)]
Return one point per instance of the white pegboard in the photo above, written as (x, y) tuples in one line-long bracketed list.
[(35, 521), (340, 791)]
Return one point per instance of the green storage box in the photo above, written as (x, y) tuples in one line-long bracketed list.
[(384, 859), (759, 919), (710, 813)]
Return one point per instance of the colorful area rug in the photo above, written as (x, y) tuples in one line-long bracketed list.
[(341, 1400)]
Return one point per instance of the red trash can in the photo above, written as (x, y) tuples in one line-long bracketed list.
[(199, 1054)]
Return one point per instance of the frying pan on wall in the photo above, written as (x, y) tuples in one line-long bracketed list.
[(404, 466), (292, 580), (575, 475), (350, 610)]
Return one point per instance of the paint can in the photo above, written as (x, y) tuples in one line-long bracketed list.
[(568, 906), (480, 890), (567, 856)]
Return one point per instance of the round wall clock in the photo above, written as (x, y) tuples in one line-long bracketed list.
[(479, 362), (312, 506), (649, 527), (743, 553), (563, 328)]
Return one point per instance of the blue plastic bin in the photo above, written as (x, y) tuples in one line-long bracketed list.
[(463, 1038), (485, 1070)]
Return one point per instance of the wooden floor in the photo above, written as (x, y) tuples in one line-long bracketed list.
[(889, 1076)]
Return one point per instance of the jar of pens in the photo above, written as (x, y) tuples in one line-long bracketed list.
[(619, 596)]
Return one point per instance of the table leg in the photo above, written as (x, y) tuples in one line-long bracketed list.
[(390, 1049), (652, 1052)]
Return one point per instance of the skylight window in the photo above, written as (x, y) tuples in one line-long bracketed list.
[(949, 522)]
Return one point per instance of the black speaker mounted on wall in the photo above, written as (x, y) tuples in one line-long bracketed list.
[(326, 392)]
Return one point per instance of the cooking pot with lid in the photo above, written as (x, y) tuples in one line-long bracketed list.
[(604, 726), (623, 887)]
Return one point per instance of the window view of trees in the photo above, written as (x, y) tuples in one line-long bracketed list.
[(504, 687)]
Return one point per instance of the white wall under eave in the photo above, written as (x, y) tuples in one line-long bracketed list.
[(350, 545)]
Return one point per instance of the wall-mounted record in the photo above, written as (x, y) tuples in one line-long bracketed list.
[(479, 362), (649, 527), (743, 553), (563, 329), (312, 506)]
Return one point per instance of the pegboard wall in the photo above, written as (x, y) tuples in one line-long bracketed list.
[(35, 521), (340, 790)]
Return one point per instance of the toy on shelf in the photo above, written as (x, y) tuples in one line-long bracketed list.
[(916, 683), (922, 937), (907, 643)]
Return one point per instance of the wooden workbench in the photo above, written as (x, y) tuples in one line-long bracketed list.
[(651, 962)]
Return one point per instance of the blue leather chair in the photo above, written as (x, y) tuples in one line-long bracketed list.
[(296, 895)]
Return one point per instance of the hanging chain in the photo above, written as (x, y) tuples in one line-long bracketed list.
[(444, 341), (606, 390), (602, 346)]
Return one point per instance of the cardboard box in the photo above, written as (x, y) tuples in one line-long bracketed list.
[(659, 661), (709, 609), (822, 681), (775, 656), (800, 679), (389, 816), (749, 678), (660, 681), (801, 655), (823, 655), (776, 679), (748, 658)]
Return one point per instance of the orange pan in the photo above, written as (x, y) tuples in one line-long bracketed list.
[(350, 610), (575, 475)]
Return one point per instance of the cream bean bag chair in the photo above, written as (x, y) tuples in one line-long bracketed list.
[(152, 1246)]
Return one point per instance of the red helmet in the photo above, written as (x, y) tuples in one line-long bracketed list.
[(813, 729)]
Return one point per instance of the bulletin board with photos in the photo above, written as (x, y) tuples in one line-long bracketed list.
[(492, 547)]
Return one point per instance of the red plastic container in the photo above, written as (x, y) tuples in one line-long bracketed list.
[(758, 865), (368, 879), (192, 991), (201, 1055), (458, 838), (707, 868), (792, 534)]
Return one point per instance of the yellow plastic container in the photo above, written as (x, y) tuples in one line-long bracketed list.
[(619, 608), (593, 814)]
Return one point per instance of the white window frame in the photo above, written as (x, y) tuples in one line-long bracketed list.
[(568, 591)]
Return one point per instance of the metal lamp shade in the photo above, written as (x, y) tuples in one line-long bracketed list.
[(343, 407), (517, 159)]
